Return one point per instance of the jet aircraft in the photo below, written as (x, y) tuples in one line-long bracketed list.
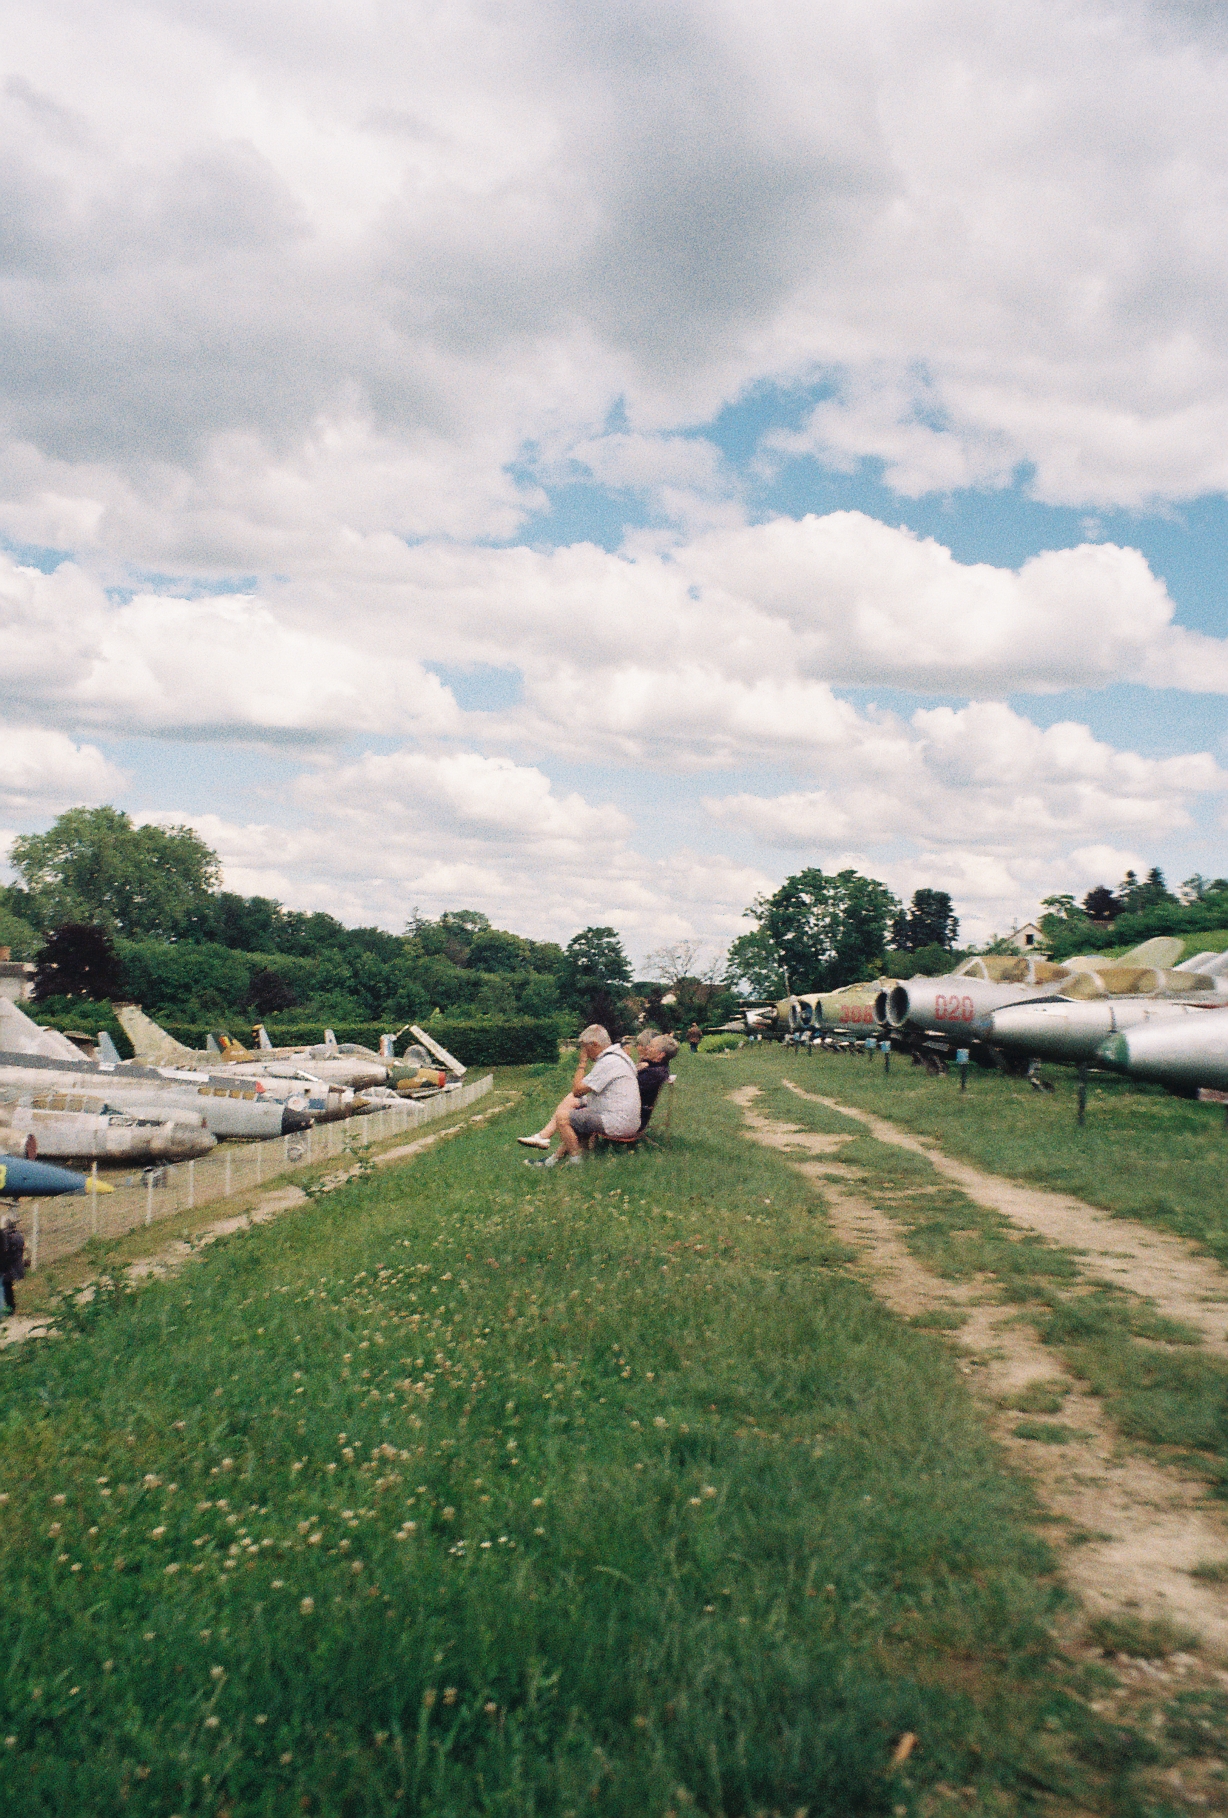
[(1185, 1054)]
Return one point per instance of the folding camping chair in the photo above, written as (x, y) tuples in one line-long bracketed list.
[(661, 1137)]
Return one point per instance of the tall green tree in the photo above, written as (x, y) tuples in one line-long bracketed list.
[(929, 922), (752, 966), (826, 928), (94, 866), (596, 977), (78, 961)]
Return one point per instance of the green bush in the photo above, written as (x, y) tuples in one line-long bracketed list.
[(505, 1043), (720, 1044)]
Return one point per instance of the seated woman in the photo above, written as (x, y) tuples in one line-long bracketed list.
[(656, 1052)]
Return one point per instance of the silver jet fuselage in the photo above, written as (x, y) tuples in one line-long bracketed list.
[(1070, 1031), (1182, 1053), (959, 1008), (229, 1107), (101, 1134), (336, 1070)]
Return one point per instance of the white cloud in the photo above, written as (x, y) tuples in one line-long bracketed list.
[(983, 773), (388, 834), (225, 662), (43, 770), (268, 285)]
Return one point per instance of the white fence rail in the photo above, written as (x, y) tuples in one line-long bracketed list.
[(56, 1227)]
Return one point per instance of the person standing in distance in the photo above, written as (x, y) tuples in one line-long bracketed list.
[(12, 1263), (694, 1035)]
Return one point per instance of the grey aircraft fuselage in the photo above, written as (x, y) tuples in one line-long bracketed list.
[(92, 1131), (1184, 1054), (229, 1107), (1070, 1031)]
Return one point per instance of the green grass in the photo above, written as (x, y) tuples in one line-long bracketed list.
[(1138, 1638), (1141, 1153), (1156, 1384), (1047, 1432), (605, 1490)]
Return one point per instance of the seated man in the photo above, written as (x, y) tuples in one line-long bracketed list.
[(604, 1102), (656, 1052)]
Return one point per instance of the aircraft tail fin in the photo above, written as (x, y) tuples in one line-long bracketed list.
[(107, 1051), (262, 1037), (22, 1035), (1161, 952), (330, 1040), (441, 1054), (152, 1046)]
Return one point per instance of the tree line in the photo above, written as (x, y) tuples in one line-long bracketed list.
[(110, 909)]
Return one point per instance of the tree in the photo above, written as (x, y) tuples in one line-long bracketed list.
[(1100, 905), (596, 976), (679, 961), (268, 992), (1198, 888), (930, 922), (752, 967), (93, 866), (1148, 894), (78, 960), (826, 929)]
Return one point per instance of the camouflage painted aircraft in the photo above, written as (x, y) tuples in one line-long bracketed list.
[(968, 1005)]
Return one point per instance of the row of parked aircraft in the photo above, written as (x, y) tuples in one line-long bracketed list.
[(1143, 1015), (171, 1103)]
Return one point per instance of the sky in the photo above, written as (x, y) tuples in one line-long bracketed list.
[(587, 461)]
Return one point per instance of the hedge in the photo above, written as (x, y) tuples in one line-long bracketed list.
[(506, 1043)]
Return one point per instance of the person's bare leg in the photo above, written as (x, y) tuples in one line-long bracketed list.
[(540, 1138), (569, 1142)]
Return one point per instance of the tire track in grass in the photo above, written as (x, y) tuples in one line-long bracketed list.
[(1137, 1529), (1165, 1270)]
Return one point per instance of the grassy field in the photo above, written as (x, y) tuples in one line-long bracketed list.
[(1141, 1153), (1168, 1396), (470, 1489)]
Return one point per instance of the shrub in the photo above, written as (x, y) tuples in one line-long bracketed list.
[(505, 1043), (720, 1044)]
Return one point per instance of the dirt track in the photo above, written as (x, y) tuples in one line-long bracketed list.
[(1181, 1282), (1136, 1529)]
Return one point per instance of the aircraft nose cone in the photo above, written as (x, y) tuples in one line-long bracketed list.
[(19, 1177)]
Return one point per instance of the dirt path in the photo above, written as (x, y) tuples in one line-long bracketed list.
[(1167, 1270), (172, 1256), (1135, 1530)]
